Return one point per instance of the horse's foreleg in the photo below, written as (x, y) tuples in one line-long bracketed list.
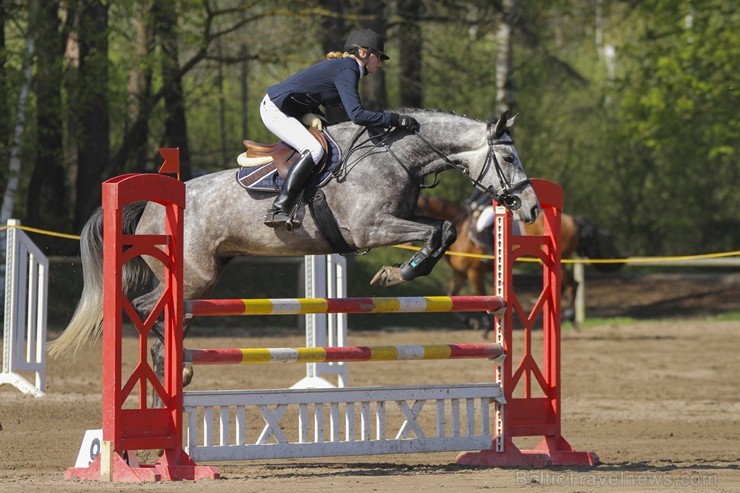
[(568, 299), (456, 283), (476, 275), (423, 261), (437, 235)]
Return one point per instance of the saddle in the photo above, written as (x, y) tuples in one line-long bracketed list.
[(280, 154), (263, 167)]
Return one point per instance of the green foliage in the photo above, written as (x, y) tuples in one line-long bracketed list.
[(678, 110), (645, 143)]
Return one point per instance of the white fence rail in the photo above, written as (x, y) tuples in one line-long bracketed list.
[(579, 274)]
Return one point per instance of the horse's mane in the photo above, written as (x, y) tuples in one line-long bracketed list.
[(440, 208), (429, 111), (492, 118)]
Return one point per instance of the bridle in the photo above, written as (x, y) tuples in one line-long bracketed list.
[(506, 196)]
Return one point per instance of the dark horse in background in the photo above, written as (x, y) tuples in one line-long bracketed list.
[(579, 236), (372, 197)]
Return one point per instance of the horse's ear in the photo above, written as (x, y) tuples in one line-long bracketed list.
[(500, 126), (511, 121)]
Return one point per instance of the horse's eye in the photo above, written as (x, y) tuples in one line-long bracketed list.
[(509, 159)]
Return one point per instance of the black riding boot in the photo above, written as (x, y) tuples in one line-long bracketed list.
[(279, 214)]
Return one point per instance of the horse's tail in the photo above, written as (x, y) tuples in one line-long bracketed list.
[(597, 243), (87, 322), (441, 209)]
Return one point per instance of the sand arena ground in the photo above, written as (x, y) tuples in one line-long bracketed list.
[(657, 400)]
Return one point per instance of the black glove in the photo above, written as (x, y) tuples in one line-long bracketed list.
[(405, 122)]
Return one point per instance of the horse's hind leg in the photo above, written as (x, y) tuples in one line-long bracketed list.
[(143, 306)]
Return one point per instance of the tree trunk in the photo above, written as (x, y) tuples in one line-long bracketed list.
[(373, 86), (47, 200), (333, 29), (505, 19), (176, 130), (221, 103), (140, 87), (410, 42), (92, 104), (4, 103), (244, 88), (333, 35), (72, 68)]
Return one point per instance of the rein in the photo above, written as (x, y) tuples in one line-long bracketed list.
[(366, 144), (507, 196)]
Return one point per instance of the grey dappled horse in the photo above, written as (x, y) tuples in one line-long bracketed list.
[(373, 199)]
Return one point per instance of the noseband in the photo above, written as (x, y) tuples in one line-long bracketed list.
[(507, 196)]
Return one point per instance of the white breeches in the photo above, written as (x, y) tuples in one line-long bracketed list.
[(289, 130), (485, 219)]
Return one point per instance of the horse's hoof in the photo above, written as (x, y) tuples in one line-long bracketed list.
[(387, 276)]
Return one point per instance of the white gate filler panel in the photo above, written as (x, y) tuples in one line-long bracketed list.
[(240, 425)]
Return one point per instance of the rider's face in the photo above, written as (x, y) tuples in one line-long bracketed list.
[(374, 63)]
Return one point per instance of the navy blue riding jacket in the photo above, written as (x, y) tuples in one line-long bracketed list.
[(326, 83)]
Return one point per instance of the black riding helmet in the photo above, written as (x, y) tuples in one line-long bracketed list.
[(366, 38)]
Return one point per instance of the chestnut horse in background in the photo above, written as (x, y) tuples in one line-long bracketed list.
[(579, 236)]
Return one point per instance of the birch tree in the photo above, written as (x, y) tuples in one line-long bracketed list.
[(15, 162), (505, 92), (92, 105), (176, 129)]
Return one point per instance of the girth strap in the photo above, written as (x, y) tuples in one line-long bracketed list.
[(326, 222)]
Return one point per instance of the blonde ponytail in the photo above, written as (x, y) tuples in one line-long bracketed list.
[(338, 54)]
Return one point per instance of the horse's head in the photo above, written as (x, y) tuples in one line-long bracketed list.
[(502, 175)]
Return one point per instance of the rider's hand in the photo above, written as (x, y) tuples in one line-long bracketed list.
[(312, 120), (405, 122)]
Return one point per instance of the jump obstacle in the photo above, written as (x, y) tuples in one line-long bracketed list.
[(345, 354), (525, 398), (325, 277), (24, 324)]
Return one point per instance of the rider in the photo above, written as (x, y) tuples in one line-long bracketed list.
[(328, 82), (481, 208)]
